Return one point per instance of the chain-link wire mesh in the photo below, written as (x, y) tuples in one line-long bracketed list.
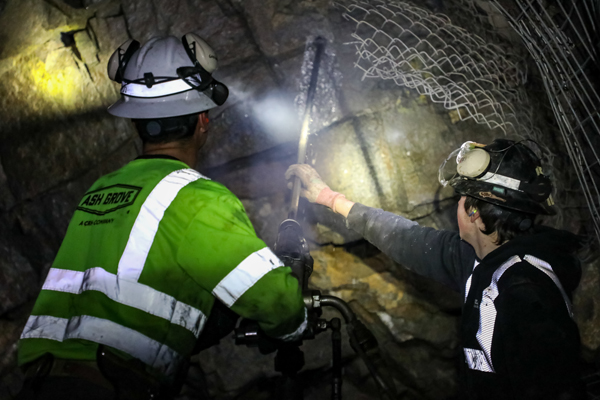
[(483, 81), (562, 37), (426, 52), (481, 18)]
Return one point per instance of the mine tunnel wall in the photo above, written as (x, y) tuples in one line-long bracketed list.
[(377, 142)]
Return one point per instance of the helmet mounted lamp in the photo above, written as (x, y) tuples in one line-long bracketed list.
[(505, 173)]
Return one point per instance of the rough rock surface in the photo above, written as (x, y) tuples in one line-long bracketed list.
[(378, 143), (586, 304), (405, 320)]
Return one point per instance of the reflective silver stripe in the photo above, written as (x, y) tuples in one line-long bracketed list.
[(146, 224), (476, 359), (45, 327), (487, 311), (246, 274), (129, 293), (106, 332), (468, 284), (501, 180), (547, 269), (157, 90)]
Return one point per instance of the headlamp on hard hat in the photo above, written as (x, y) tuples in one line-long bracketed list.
[(200, 80), (505, 173)]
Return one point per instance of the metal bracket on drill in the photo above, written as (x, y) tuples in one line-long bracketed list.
[(312, 299)]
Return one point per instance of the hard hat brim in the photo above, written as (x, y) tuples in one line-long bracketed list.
[(189, 102)]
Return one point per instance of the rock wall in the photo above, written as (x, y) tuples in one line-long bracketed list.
[(378, 143)]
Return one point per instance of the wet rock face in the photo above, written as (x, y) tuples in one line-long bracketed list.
[(378, 143), (409, 325)]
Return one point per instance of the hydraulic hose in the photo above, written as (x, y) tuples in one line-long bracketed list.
[(339, 305), (352, 324), (336, 369), (385, 387)]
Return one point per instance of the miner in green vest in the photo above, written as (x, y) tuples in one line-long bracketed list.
[(153, 248)]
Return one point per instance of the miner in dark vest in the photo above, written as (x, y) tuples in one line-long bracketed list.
[(518, 337), (158, 260)]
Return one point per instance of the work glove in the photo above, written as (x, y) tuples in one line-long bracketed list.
[(313, 187)]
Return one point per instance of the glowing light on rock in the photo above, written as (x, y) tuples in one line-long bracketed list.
[(56, 81)]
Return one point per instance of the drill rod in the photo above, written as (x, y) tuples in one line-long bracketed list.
[(319, 44)]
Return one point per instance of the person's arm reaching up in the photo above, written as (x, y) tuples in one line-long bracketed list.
[(440, 255)]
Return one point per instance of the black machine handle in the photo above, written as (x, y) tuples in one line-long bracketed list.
[(362, 340), (292, 250), (290, 359)]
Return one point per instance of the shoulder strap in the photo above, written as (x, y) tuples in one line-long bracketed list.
[(482, 359), (487, 321), (547, 269)]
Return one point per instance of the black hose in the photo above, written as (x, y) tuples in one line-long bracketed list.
[(336, 370), (339, 305), (350, 319), (379, 380)]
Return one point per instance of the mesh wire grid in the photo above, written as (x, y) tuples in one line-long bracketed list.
[(562, 38), (482, 80), (424, 51)]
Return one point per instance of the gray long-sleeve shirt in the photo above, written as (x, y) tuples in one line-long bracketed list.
[(439, 255)]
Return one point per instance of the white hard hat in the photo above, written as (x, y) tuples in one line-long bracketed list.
[(166, 77)]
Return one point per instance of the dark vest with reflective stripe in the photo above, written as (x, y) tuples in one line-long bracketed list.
[(484, 369)]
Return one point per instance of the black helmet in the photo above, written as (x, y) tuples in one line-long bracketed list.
[(506, 173)]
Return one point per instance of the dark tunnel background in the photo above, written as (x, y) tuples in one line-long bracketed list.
[(379, 134)]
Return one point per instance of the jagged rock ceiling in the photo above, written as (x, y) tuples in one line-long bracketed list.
[(373, 140)]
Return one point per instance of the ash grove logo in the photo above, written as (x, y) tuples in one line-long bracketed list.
[(109, 199)]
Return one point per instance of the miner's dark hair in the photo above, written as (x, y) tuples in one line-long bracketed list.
[(507, 223), (164, 130)]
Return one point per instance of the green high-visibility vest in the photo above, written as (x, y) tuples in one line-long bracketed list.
[(148, 249)]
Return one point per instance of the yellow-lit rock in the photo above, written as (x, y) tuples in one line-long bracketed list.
[(394, 302)]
